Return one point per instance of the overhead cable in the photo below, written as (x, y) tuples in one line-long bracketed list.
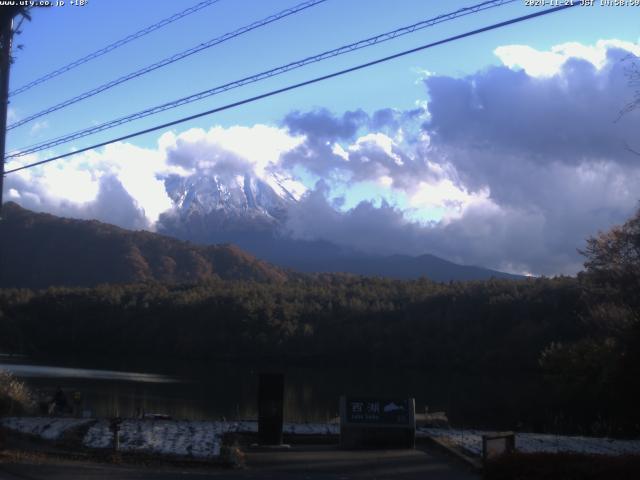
[(114, 45), (299, 85), (384, 37), (169, 60)]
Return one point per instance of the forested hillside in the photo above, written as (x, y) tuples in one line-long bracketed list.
[(498, 327), (39, 250), (334, 318)]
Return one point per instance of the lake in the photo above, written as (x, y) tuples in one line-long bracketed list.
[(215, 390)]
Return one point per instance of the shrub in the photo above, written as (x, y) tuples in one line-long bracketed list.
[(15, 396)]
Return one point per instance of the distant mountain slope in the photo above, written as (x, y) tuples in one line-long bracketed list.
[(437, 269), (38, 250), (321, 256)]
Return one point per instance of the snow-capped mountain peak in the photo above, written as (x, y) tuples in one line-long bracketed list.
[(228, 202)]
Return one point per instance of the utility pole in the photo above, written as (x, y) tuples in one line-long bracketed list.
[(6, 34), (6, 31)]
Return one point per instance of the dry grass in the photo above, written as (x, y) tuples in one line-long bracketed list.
[(15, 396), (563, 466)]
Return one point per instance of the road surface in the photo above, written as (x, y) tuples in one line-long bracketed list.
[(301, 462)]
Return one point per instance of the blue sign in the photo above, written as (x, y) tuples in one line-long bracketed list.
[(385, 412)]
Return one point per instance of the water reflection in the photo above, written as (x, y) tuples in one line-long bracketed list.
[(42, 371), (215, 390)]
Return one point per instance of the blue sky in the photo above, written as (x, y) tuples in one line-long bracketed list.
[(428, 79), (59, 35)]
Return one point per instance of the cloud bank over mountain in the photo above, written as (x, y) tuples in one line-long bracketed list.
[(510, 168)]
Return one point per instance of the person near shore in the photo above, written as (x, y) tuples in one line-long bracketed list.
[(60, 402)]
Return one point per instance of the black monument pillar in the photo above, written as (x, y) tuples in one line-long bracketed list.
[(270, 408)]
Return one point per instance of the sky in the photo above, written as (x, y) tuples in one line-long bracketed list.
[(505, 149)]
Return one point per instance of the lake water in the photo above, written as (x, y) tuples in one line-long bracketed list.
[(201, 390)]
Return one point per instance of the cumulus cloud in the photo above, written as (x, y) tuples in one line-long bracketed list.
[(126, 184), (538, 63), (236, 151), (333, 148), (528, 163), (111, 202), (485, 234), (568, 118), (322, 124), (92, 184)]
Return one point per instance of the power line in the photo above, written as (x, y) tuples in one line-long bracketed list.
[(169, 60), (114, 45), (301, 84), (261, 76)]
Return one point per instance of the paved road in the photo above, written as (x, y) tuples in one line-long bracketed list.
[(301, 462)]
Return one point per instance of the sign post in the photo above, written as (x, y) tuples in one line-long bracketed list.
[(377, 422), (497, 444), (270, 408)]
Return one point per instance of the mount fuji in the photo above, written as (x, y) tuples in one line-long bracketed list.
[(251, 213), (214, 208)]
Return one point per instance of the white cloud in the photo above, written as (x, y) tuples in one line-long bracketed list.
[(38, 127), (381, 141), (444, 194), (537, 63), (532, 61), (522, 165), (422, 74), (12, 115), (136, 175), (256, 150), (69, 183), (260, 145)]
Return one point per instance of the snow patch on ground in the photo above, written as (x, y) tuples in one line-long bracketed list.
[(203, 439), (242, 426), (471, 442), (312, 428), (99, 435), (48, 428), (195, 439), (171, 437)]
